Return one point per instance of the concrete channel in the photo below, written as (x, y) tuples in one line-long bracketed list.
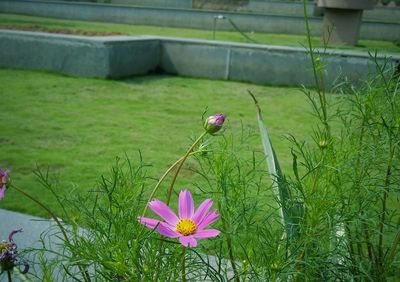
[(118, 57)]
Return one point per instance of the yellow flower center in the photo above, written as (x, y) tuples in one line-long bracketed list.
[(5, 246), (186, 227)]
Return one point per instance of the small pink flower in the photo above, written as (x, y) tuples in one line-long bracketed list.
[(190, 224), (3, 182)]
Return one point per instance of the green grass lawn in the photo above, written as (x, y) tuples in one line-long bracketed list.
[(77, 126), (20, 21)]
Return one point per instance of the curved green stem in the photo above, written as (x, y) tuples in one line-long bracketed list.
[(84, 272), (159, 183), (183, 266), (180, 163), (46, 209), (183, 159)]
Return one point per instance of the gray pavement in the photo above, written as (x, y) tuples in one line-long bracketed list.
[(32, 227)]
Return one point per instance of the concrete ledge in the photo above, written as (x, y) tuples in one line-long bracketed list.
[(49, 52), (77, 55), (187, 18), (125, 56)]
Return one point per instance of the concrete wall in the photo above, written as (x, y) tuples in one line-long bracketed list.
[(290, 8), (281, 7), (259, 64), (185, 18), (180, 4), (125, 56), (383, 14)]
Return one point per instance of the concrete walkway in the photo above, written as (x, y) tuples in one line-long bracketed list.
[(32, 227)]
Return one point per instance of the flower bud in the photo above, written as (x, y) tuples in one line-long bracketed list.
[(3, 182), (214, 123), (323, 144)]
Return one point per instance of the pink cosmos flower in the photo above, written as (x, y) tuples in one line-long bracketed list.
[(189, 225), (3, 182)]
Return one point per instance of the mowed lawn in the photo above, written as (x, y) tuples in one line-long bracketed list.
[(76, 127), (86, 27)]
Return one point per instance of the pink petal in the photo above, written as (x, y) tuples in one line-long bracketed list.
[(4, 175), (11, 235), (164, 212), (165, 229), (2, 190), (186, 204), (206, 233), (148, 222), (209, 219), (188, 241), (202, 211)]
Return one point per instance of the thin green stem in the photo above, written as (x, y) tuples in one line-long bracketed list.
[(171, 187), (368, 242), (229, 245), (394, 246), (319, 85), (384, 203), (359, 175), (159, 183), (351, 248), (9, 276), (84, 272), (179, 161), (45, 208), (183, 266), (169, 193), (160, 251)]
